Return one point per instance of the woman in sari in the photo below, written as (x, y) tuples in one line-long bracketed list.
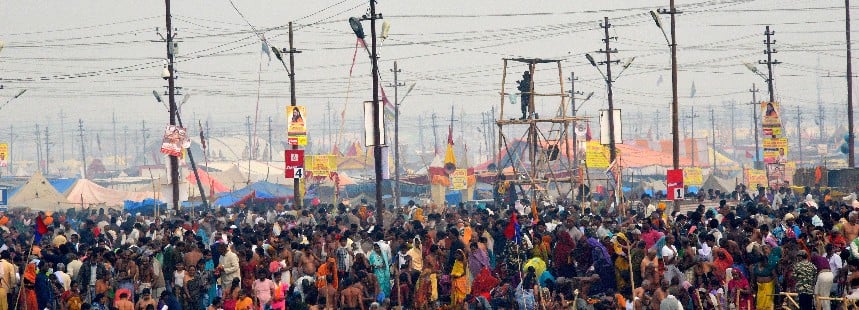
[(544, 249), (380, 269), (459, 279), (604, 267), (562, 258), (764, 274), (740, 292)]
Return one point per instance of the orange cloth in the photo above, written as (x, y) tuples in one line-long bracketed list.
[(245, 303), (30, 273), (324, 270)]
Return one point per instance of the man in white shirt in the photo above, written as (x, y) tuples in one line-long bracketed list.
[(74, 266), (835, 263), (669, 256)]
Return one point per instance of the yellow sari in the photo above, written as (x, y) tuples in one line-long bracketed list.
[(459, 283), (764, 297)]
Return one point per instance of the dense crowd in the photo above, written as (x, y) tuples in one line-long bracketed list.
[(764, 248)]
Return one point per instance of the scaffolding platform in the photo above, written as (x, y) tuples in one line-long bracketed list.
[(537, 155)]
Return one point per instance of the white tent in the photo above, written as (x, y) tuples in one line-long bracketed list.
[(39, 195)]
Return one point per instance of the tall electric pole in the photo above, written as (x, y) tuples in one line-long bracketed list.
[(770, 62), (851, 138), (11, 148), (115, 145), (573, 94), (47, 151), (692, 116), (270, 146), (608, 80), (713, 138), (144, 134), (396, 86), (377, 130), (125, 145), (38, 149), (799, 134), (755, 107), (434, 134), (421, 135), (293, 101), (675, 110), (83, 147), (250, 139), (733, 131), (171, 92), (62, 137)]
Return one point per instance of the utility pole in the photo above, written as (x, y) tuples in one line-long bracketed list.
[(396, 86), (421, 135), (713, 138), (296, 183), (770, 62), (733, 131), (125, 145), (820, 123), (434, 134), (171, 92), (144, 132), (377, 131), (270, 146), (47, 150), (38, 149), (492, 132), (799, 134), (328, 128), (573, 94), (608, 51), (851, 139), (692, 118), (62, 137), (755, 107), (250, 142), (83, 146), (675, 113), (115, 146)]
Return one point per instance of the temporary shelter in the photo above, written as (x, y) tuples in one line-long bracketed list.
[(38, 194), (86, 192)]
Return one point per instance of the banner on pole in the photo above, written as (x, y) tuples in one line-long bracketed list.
[(459, 179), (674, 184), (756, 178), (770, 114), (321, 165), (296, 128), (597, 155), (693, 177), (175, 139), (4, 155)]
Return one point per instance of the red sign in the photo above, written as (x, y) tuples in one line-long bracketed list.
[(294, 164), (674, 184), (294, 158), (292, 141)]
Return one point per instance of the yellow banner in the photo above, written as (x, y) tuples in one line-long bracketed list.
[(597, 155), (770, 114), (320, 165), (693, 177), (4, 154), (775, 150), (459, 179), (756, 178), (296, 125)]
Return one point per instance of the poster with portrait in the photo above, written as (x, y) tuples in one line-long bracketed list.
[(775, 150), (295, 119), (175, 139), (4, 155), (770, 114)]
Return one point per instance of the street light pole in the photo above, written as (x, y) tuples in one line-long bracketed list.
[(377, 130), (174, 160), (296, 183), (396, 85), (755, 103), (851, 139), (675, 113)]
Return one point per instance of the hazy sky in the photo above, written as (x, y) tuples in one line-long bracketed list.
[(451, 49)]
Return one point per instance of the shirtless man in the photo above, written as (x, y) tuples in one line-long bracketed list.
[(351, 298), (308, 262), (851, 228), (328, 294)]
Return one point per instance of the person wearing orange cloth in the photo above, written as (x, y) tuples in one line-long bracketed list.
[(326, 269)]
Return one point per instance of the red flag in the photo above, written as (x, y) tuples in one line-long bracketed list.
[(512, 229), (588, 133), (41, 229)]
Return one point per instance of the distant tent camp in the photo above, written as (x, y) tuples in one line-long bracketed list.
[(258, 190), (38, 195)]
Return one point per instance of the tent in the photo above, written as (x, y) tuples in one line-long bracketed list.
[(231, 177), (720, 184), (63, 185), (258, 190), (87, 192), (210, 184), (38, 194)]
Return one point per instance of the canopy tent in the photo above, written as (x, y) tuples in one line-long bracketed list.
[(146, 206), (87, 192), (38, 194)]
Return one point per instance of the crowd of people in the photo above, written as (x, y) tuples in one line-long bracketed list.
[(757, 251)]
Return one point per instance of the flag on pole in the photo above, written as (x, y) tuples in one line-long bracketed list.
[(449, 156), (266, 49), (41, 229), (692, 91)]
